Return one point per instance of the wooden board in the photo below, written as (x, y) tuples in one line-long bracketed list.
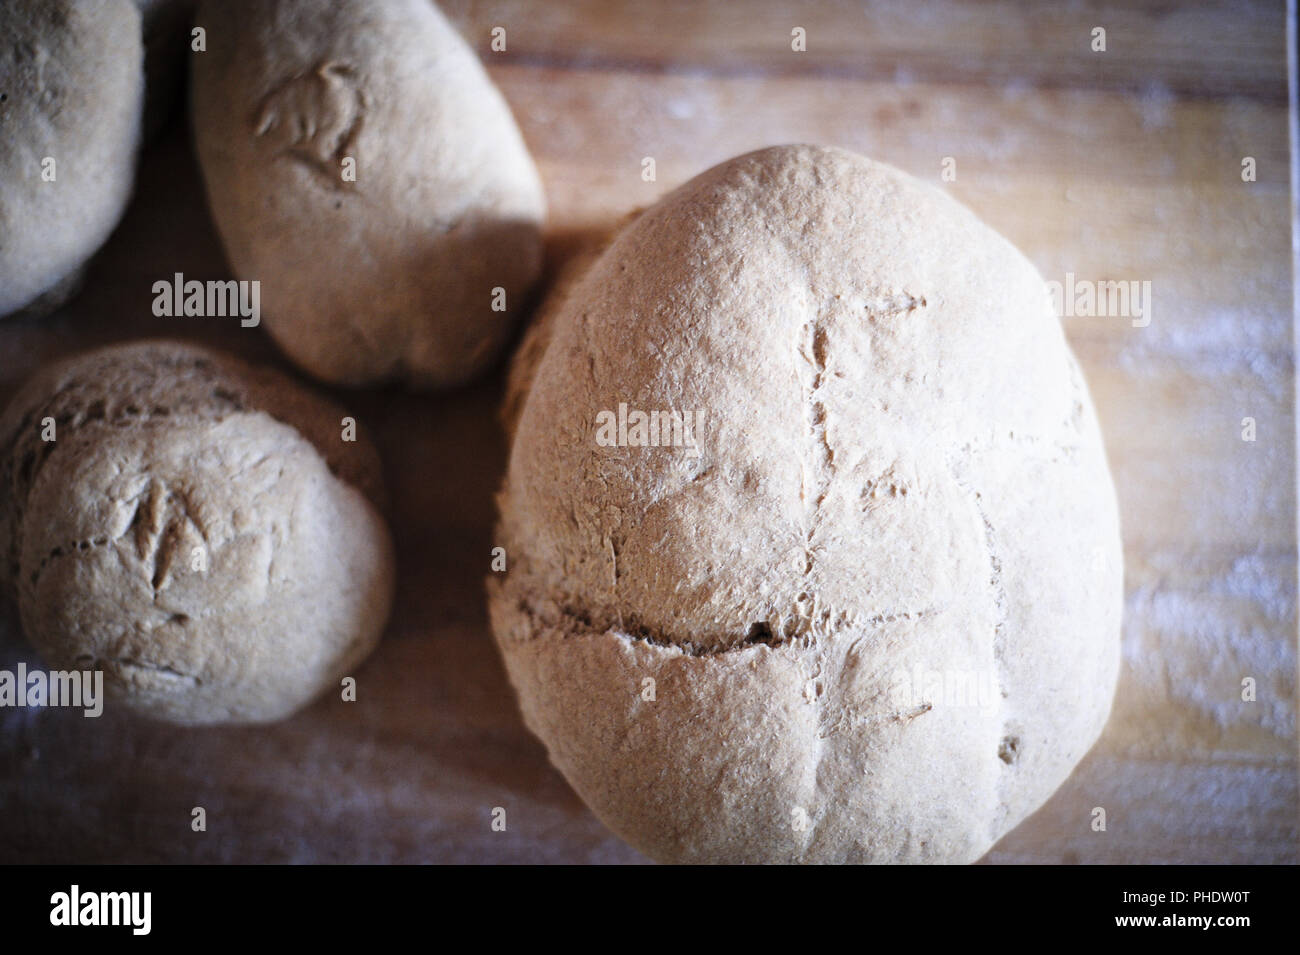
[(1122, 165)]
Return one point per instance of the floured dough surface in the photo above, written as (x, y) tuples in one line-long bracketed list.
[(879, 601), (197, 529), (71, 92), (361, 165)]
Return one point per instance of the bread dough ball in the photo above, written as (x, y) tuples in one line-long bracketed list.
[(197, 529), (71, 93), (873, 614), (393, 276)]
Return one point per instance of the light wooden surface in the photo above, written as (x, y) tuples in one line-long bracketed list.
[(1123, 165)]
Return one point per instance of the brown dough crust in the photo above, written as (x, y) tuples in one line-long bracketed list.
[(899, 474), (390, 277), (72, 81), (197, 529)]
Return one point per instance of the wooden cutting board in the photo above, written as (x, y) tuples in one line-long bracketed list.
[(1122, 165)]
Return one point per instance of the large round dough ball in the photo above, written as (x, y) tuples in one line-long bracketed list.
[(866, 607), (197, 529), (71, 95), (416, 270)]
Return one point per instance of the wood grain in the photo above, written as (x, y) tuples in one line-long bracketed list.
[(1216, 49), (1125, 165)]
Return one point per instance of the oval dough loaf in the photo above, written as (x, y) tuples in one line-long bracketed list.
[(873, 614), (197, 529), (390, 277), (71, 91)]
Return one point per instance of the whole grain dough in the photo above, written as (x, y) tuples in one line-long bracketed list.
[(198, 529), (71, 95), (872, 614), (416, 270)]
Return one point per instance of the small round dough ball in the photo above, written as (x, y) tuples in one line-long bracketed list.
[(197, 529), (360, 164), (814, 550), (71, 95)]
